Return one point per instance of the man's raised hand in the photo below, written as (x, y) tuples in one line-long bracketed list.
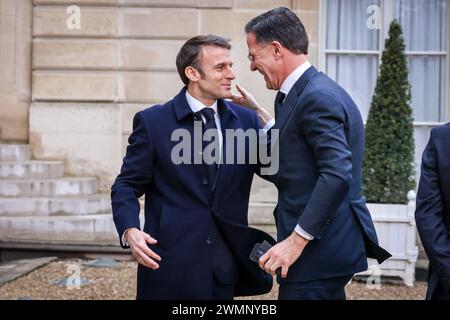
[(245, 98)]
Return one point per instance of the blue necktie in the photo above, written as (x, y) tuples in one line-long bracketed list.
[(210, 123), (279, 102)]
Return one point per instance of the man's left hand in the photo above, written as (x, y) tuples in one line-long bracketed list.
[(283, 254)]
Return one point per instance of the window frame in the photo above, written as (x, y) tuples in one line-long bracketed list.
[(387, 15)]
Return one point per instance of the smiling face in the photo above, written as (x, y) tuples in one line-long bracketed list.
[(262, 58), (212, 80)]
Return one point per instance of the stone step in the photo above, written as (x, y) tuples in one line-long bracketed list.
[(263, 191), (14, 152), (56, 206), (260, 216), (60, 229), (31, 170), (261, 213), (48, 187)]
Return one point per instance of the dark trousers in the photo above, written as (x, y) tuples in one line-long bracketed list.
[(439, 293), (222, 291), (322, 289), (435, 289)]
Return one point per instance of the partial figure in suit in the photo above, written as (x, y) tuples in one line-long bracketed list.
[(196, 241), (325, 231), (433, 211)]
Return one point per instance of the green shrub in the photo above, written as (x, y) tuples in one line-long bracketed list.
[(388, 168)]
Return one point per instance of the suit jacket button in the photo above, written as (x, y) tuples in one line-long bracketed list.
[(209, 241), (204, 181)]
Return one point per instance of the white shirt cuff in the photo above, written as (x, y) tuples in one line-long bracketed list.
[(269, 125), (303, 233), (124, 242)]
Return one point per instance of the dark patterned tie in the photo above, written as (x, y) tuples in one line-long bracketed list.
[(279, 102), (210, 123)]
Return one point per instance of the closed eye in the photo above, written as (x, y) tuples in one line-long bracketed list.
[(221, 66)]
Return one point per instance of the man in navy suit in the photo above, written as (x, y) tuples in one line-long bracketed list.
[(433, 211), (325, 231), (196, 241)]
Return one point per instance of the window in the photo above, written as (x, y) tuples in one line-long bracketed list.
[(351, 51)]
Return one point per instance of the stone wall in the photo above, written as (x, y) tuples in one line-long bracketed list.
[(88, 83), (15, 69)]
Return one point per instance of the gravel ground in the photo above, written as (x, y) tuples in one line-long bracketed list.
[(120, 284)]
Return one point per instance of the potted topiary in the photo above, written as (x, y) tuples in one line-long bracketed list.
[(388, 167)]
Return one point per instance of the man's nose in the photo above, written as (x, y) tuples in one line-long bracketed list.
[(252, 66), (231, 74)]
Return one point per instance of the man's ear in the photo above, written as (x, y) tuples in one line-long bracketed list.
[(277, 49), (192, 74)]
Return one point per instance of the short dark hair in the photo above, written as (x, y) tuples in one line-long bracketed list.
[(282, 25), (190, 51)]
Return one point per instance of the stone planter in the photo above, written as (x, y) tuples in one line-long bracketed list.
[(396, 230)]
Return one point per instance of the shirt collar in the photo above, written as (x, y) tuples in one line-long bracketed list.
[(196, 105), (289, 82)]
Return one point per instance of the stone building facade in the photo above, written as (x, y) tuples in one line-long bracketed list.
[(74, 72), (72, 92)]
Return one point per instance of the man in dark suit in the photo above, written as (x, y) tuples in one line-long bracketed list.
[(196, 240), (325, 232), (433, 211)]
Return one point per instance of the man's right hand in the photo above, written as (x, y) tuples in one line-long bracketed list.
[(137, 240), (246, 99)]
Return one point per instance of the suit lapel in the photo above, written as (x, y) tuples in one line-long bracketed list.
[(227, 121), (291, 100), (225, 115), (186, 120)]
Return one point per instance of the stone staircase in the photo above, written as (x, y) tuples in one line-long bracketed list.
[(40, 206)]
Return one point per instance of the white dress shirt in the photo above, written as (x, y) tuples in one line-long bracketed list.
[(289, 82), (197, 106)]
